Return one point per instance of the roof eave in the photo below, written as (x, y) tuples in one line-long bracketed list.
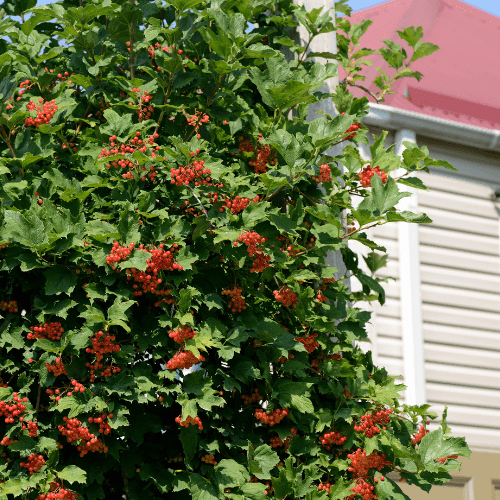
[(390, 118)]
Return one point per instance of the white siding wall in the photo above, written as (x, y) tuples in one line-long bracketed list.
[(460, 290)]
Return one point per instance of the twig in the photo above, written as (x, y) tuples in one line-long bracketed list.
[(132, 27), (201, 204), (5, 137), (38, 398), (221, 80), (125, 482), (80, 124), (167, 95)]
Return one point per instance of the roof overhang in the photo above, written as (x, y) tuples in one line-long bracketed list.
[(390, 118)]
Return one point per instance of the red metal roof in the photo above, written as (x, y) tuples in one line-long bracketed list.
[(461, 80)]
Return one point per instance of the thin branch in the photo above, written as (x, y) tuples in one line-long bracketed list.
[(201, 204), (38, 398), (5, 137), (167, 95), (80, 124), (132, 27), (221, 80)]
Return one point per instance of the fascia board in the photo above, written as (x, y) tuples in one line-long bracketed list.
[(390, 118)]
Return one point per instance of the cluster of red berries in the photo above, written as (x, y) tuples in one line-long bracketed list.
[(57, 493), (236, 302), (10, 306), (32, 428), (364, 489), (368, 424), (102, 420), (196, 119), (182, 334), (209, 459), (135, 144), (165, 294), (52, 392), (77, 387), (190, 421), (261, 161), (57, 369), (320, 297), (286, 296), (53, 331), (325, 486), (45, 112), (253, 241), (325, 174), (144, 110), (118, 253), (34, 464), (361, 463), (353, 128), (24, 86), (160, 260), (183, 360), (333, 437), (417, 437), (9, 411), (277, 441), (443, 460), (76, 433), (196, 172), (322, 357), (255, 396), (236, 206), (102, 344), (272, 418), (309, 342), (365, 176), (7, 441)]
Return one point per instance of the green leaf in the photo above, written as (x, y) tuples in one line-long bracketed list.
[(389, 490), (202, 489), (424, 49), (414, 182), (27, 229), (434, 445), (411, 35), (138, 260), (406, 216), (59, 279), (117, 124), (229, 473), (282, 486), (340, 490), (284, 224), (73, 474), (383, 196), (261, 460)]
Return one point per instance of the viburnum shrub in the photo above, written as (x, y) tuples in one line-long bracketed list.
[(170, 328)]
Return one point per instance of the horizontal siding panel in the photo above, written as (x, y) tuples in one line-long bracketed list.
[(391, 308), (473, 417), (436, 237), (469, 299), (461, 356), (453, 297), (458, 186), (471, 377), (387, 231), (457, 204), (459, 260), (441, 334), (461, 222), (477, 437), (467, 396), (390, 347), (388, 327), (442, 315), (453, 278)]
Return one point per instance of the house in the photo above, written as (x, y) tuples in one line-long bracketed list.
[(440, 326)]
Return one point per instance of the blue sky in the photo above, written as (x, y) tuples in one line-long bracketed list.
[(491, 6)]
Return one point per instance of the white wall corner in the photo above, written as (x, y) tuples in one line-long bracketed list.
[(410, 289)]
